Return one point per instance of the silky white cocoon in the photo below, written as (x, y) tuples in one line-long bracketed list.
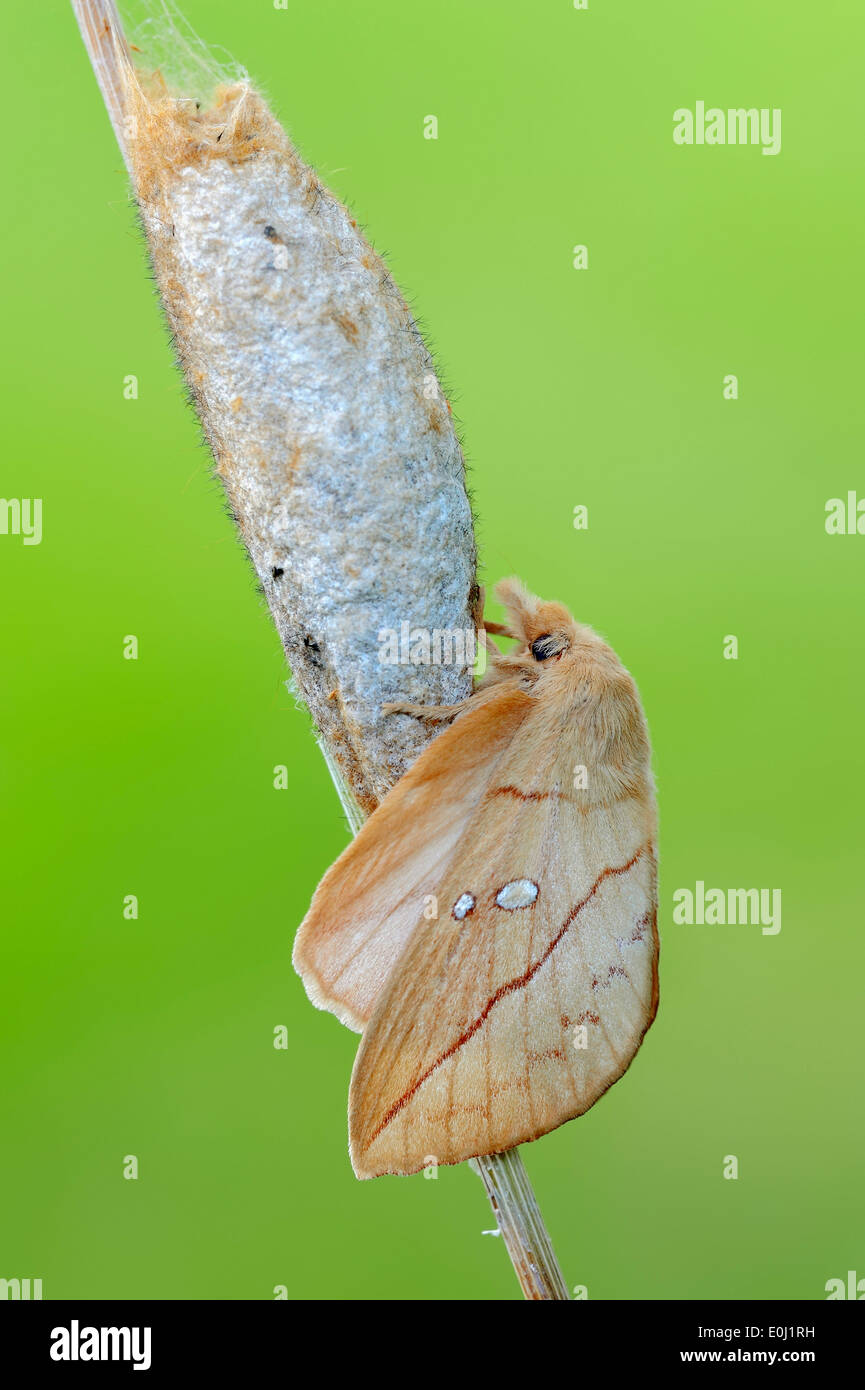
[(322, 409)]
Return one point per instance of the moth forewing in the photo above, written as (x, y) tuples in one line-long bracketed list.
[(386, 881), (502, 1024)]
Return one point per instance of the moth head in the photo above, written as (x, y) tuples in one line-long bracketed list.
[(546, 629), (549, 645)]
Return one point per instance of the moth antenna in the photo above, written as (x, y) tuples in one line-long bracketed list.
[(521, 605)]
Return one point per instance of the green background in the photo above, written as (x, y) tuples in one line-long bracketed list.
[(706, 518)]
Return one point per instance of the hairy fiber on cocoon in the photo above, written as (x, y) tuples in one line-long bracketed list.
[(320, 403)]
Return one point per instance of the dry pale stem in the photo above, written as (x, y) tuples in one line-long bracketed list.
[(521, 1225), (299, 350)]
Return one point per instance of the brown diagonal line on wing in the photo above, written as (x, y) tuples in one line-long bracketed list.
[(519, 983), (582, 807)]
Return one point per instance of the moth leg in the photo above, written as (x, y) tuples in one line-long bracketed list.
[(432, 714), (500, 630)]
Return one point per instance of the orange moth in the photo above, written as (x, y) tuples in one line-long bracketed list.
[(492, 930)]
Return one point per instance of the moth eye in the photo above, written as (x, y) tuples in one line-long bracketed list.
[(522, 892), (463, 906), (546, 646)]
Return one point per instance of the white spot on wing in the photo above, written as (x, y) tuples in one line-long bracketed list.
[(520, 893), (463, 906)]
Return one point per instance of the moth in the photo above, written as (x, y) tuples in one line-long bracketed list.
[(492, 930)]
